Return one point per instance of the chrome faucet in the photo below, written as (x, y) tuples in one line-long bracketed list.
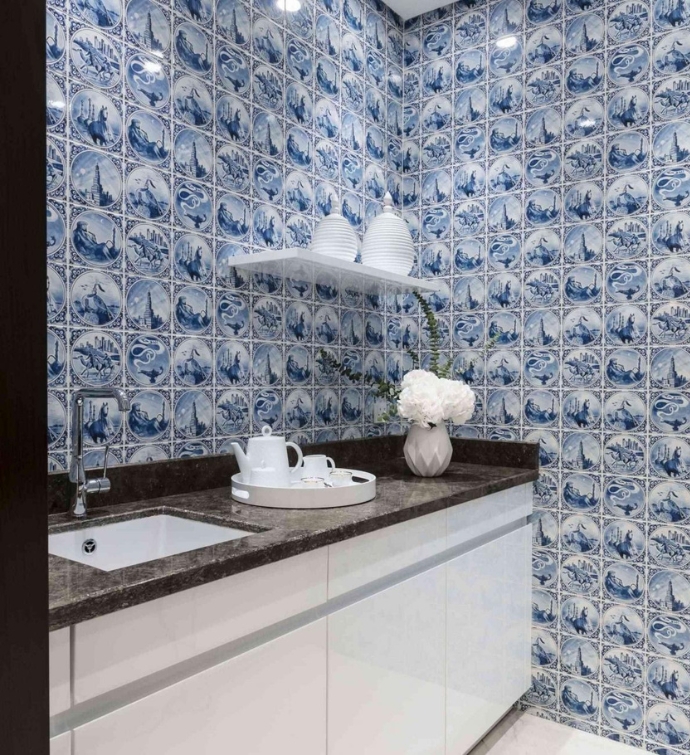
[(77, 473)]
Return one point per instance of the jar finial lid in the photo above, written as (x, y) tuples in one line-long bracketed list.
[(388, 202), (335, 206)]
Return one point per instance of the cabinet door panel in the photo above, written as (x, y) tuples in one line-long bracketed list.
[(60, 688), (364, 559), (386, 668), (127, 645), (266, 701), (62, 744), (488, 636), (485, 515)]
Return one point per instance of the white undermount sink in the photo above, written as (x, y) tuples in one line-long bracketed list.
[(136, 541)]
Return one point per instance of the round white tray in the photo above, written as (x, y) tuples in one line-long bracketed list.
[(296, 497)]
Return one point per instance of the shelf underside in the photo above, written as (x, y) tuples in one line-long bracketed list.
[(311, 267)]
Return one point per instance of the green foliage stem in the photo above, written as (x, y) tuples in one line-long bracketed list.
[(384, 388)]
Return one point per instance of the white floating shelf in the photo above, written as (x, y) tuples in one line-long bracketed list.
[(303, 264)]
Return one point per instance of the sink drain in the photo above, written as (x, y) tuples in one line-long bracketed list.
[(88, 547)]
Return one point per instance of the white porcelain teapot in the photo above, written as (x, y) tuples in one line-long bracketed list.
[(267, 452)]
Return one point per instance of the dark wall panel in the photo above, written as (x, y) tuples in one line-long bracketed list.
[(23, 533)]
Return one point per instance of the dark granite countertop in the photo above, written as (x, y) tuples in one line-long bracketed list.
[(79, 592)]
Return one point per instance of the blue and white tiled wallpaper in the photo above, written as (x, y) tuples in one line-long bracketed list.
[(541, 153), (181, 134), (546, 155)]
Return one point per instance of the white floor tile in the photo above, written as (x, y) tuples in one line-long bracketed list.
[(522, 734)]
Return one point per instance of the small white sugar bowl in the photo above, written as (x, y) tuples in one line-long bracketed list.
[(388, 243), (335, 237)]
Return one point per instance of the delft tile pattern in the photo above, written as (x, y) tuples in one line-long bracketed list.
[(547, 184), (546, 173), (181, 134)]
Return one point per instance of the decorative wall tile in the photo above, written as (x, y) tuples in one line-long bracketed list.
[(540, 155), (181, 134), (559, 128)]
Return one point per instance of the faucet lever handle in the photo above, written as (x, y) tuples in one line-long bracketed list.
[(105, 460)]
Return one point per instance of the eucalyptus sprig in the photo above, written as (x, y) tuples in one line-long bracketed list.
[(434, 337), (382, 388), (387, 390), (490, 343)]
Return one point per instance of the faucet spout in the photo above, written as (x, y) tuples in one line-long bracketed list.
[(118, 394), (77, 472)]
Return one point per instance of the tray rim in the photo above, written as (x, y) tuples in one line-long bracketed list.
[(346, 495), (355, 473)]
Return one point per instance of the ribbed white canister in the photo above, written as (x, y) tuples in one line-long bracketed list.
[(388, 243), (335, 237)]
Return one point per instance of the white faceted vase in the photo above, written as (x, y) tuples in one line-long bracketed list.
[(428, 450)]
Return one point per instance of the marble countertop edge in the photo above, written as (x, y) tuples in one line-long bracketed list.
[(79, 592)]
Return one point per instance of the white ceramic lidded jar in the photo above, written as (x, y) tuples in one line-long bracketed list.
[(335, 237), (388, 243)]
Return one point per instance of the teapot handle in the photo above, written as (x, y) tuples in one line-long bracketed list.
[(298, 451)]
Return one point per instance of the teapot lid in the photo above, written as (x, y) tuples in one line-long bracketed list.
[(267, 434)]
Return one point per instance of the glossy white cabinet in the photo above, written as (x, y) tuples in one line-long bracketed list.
[(484, 516), (410, 640), (364, 559), (59, 670), (267, 701), (488, 629), (121, 647), (62, 744), (386, 671)]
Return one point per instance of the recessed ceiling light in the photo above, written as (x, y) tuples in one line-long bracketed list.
[(152, 67), (506, 41), (289, 5)]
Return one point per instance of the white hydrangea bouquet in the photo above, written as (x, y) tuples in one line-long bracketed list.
[(426, 398)]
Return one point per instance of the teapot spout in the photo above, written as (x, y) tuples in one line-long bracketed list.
[(242, 460)]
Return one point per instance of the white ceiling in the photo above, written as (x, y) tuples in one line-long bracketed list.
[(411, 8)]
